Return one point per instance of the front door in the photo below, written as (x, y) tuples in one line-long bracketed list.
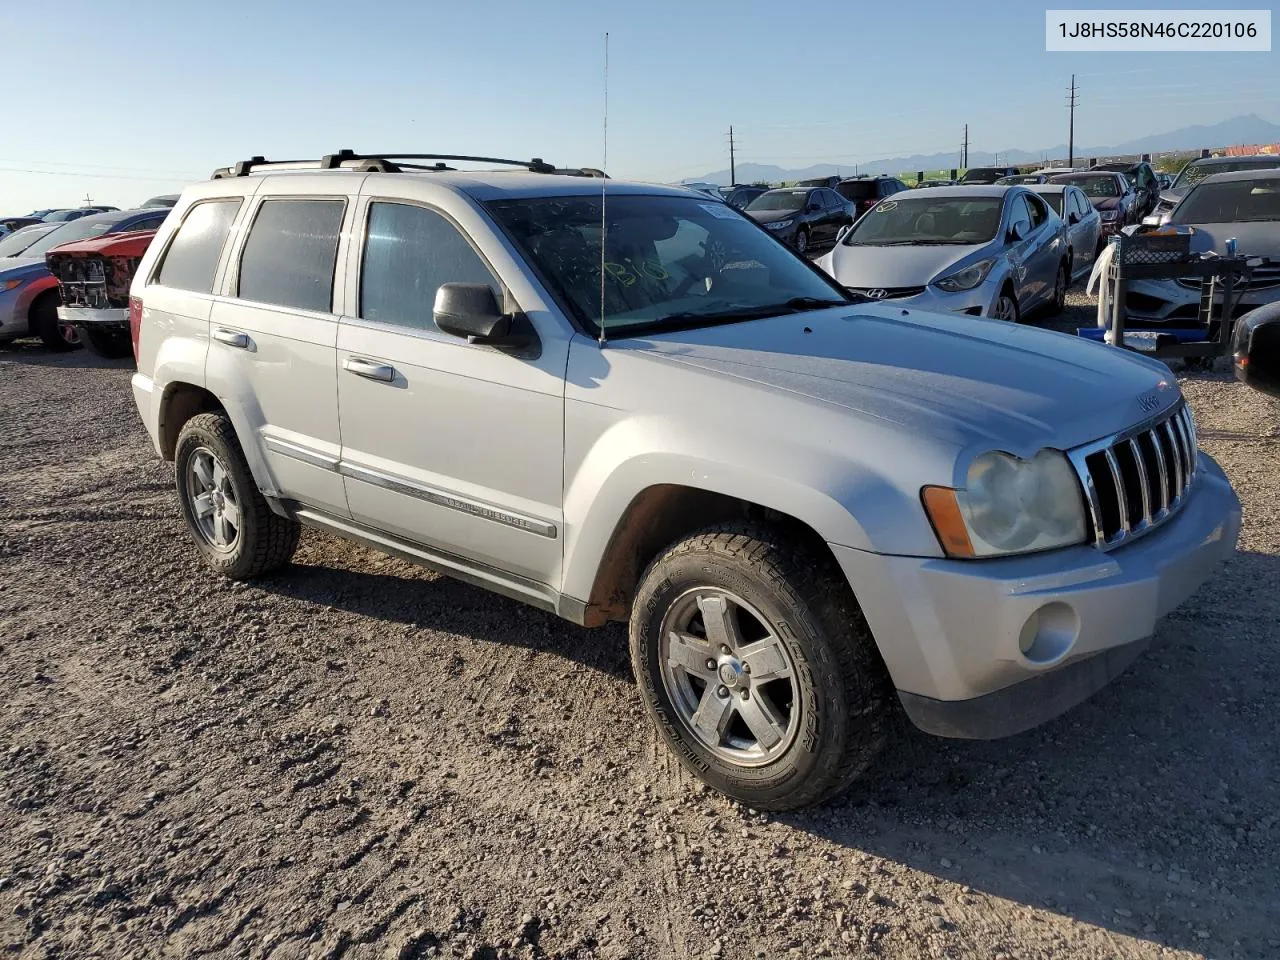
[(453, 445)]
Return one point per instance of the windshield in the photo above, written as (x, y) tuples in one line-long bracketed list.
[(941, 220), (981, 175), (779, 200), (19, 240), (669, 262), (1193, 173), (856, 189), (1233, 202), (82, 229), (1101, 185)]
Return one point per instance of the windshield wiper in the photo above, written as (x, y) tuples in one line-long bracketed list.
[(794, 305)]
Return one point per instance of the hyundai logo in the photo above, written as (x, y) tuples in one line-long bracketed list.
[(877, 293)]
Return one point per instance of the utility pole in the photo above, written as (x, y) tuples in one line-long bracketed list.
[(964, 153), (733, 170), (1071, 124), (88, 201)]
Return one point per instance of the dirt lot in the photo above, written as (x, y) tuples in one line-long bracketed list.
[(357, 758)]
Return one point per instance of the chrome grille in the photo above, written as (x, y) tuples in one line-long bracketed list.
[(1138, 479), (1260, 278), (888, 293)]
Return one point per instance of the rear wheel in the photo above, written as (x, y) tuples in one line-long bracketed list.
[(757, 666), (105, 342), (43, 321), (235, 531), (1060, 284)]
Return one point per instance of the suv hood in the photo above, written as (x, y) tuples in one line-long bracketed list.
[(961, 380), (869, 266)]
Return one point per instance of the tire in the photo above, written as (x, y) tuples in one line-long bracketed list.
[(791, 612), (802, 241), (1015, 312), (1060, 284), (246, 540), (107, 343), (43, 322)]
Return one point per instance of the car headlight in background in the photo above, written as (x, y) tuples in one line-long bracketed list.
[(778, 224), (1110, 215), (1009, 506), (965, 279), (7, 285)]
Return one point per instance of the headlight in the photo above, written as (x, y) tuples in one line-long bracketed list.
[(1009, 506), (7, 285), (1109, 215), (965, 279), (778, 224)]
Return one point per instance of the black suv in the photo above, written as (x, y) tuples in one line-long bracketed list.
[(865, 192), (1143, 178), (984, 176)]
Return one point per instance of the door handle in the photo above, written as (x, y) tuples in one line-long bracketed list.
[(232, 338), (369, 369)]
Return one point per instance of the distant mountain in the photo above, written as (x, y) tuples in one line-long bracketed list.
[(1246, 129)]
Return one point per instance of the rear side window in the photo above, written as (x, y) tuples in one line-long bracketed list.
[(289, 255), (409, 252), (192, 257)]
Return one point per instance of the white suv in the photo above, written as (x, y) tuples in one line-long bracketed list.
[(621, 401)]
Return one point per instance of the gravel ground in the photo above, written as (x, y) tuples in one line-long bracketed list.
[(358, 758)]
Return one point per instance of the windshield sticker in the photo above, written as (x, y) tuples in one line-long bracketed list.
[(884, 206), (721, 211)]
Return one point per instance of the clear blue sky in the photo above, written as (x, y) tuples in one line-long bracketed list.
[(154, 93)]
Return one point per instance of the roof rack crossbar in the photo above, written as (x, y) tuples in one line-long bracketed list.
[(388, 163)]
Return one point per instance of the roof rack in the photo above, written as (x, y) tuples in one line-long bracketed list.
[(392, 163)]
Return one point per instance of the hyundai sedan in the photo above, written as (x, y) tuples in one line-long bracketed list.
[(986, 251)]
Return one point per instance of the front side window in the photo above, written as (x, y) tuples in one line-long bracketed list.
[(667, 262), (289, 255), (1036, 211), (928, 220), (409, 251), (192, 257)]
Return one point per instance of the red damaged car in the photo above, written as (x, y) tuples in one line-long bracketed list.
[(93, 279)]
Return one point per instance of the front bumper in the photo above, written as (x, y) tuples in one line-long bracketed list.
[(949, 631), (978, 302), (1166, 301), (113, 318)]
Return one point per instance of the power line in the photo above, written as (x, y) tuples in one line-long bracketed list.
[(99, 176)]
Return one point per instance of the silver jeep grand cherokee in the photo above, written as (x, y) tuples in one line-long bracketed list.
[(620, 401)]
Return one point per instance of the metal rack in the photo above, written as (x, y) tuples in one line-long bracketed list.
[(1164, 253), (393, 163)]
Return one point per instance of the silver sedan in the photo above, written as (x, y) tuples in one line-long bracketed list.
[(985, 251)]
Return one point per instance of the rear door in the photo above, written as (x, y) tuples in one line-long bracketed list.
[(272, 336), (454, 445)]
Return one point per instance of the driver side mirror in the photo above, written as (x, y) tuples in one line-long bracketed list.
[(471, 311), (1018, 230)]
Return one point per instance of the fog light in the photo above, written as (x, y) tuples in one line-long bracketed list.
[(1049, 634)]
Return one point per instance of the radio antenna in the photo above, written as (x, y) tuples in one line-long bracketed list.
[(604, 181)]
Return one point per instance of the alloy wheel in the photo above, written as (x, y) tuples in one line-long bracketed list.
[(68, 333), (1005, 308), (729, 676), (214, 506), (802, 242)]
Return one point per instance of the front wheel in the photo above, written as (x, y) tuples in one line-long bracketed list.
[(802, 240), (1006, 307), (757, 666), (1060, 284), (43, 321)]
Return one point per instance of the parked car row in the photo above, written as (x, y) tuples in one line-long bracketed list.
[(35, 260)]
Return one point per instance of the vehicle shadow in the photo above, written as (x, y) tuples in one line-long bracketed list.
[(32, 352), (415, 600), (1150, 810)]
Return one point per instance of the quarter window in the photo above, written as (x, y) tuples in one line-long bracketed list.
[(290, 253), (192, 257), (408, 253)]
